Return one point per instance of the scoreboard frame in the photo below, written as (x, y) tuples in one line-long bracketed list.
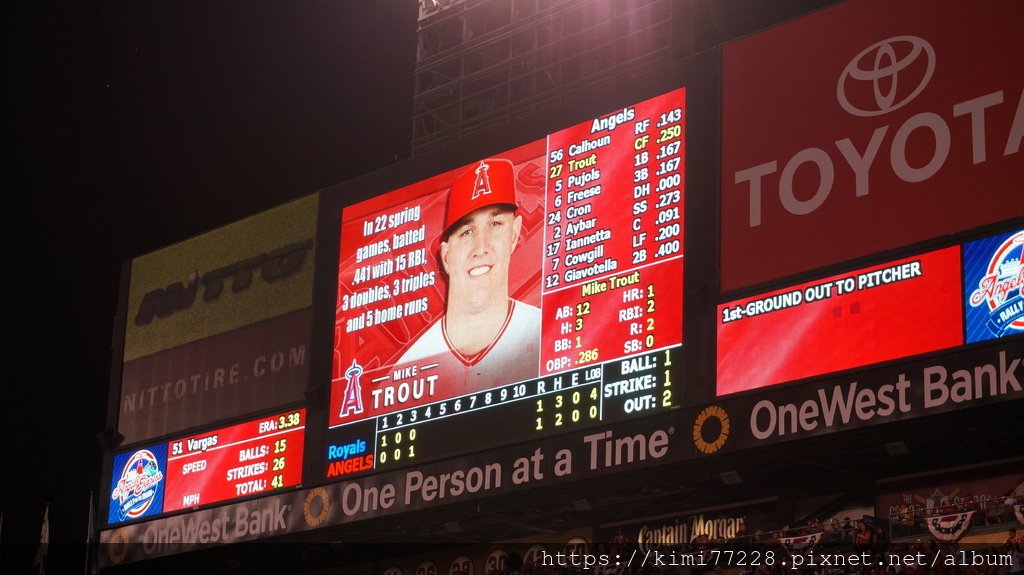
[(697, 74), (701, 75)]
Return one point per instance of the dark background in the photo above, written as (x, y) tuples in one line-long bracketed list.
[(128, 127)]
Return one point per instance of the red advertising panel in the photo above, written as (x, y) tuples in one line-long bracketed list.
[(867, 127), (237, 461), (885, 312), (563, 254)]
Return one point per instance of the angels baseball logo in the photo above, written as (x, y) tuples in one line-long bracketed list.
[(353, 400), (994, 286), (1001, 289), (482, 185), (139, 485)]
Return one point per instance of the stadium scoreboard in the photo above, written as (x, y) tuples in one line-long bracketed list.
[(598, 261), (595, 276), (246, 459), (580, 237)]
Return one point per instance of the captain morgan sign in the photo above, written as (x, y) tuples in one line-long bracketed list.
[(850, 132)]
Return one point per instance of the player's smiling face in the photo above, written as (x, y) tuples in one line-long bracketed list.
[(477, 254)]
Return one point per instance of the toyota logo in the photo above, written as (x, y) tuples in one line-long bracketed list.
[(884, 64)]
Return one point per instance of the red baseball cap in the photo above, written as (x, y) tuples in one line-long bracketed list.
[(488, 183)]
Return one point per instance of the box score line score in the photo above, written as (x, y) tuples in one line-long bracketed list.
[(582, 397)]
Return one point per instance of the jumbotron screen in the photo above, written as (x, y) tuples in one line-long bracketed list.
[(241, 460), (530, 292), (924, 303)]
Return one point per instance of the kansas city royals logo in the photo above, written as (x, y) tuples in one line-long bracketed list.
[(482, 185), (998, 290), (352, 402)]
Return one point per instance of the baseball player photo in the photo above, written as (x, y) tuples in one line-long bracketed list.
[(439, 287), (485, 335)]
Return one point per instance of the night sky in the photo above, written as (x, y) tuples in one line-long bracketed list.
[(128, 127)]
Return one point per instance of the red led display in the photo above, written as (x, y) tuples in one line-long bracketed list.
[(237, 461), (875, 314)]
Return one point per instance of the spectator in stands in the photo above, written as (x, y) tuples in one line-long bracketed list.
[(514, 562), (833, 527), (847, 529), (615, 567), (864, 537), (1016, 550), (1004, 513)]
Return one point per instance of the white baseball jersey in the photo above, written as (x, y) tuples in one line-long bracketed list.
[(513, 356)]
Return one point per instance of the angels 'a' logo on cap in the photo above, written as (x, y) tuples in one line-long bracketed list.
[(488, 183), (482, 185)]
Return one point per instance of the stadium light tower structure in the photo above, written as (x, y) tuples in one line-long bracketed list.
[(484, 63)]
